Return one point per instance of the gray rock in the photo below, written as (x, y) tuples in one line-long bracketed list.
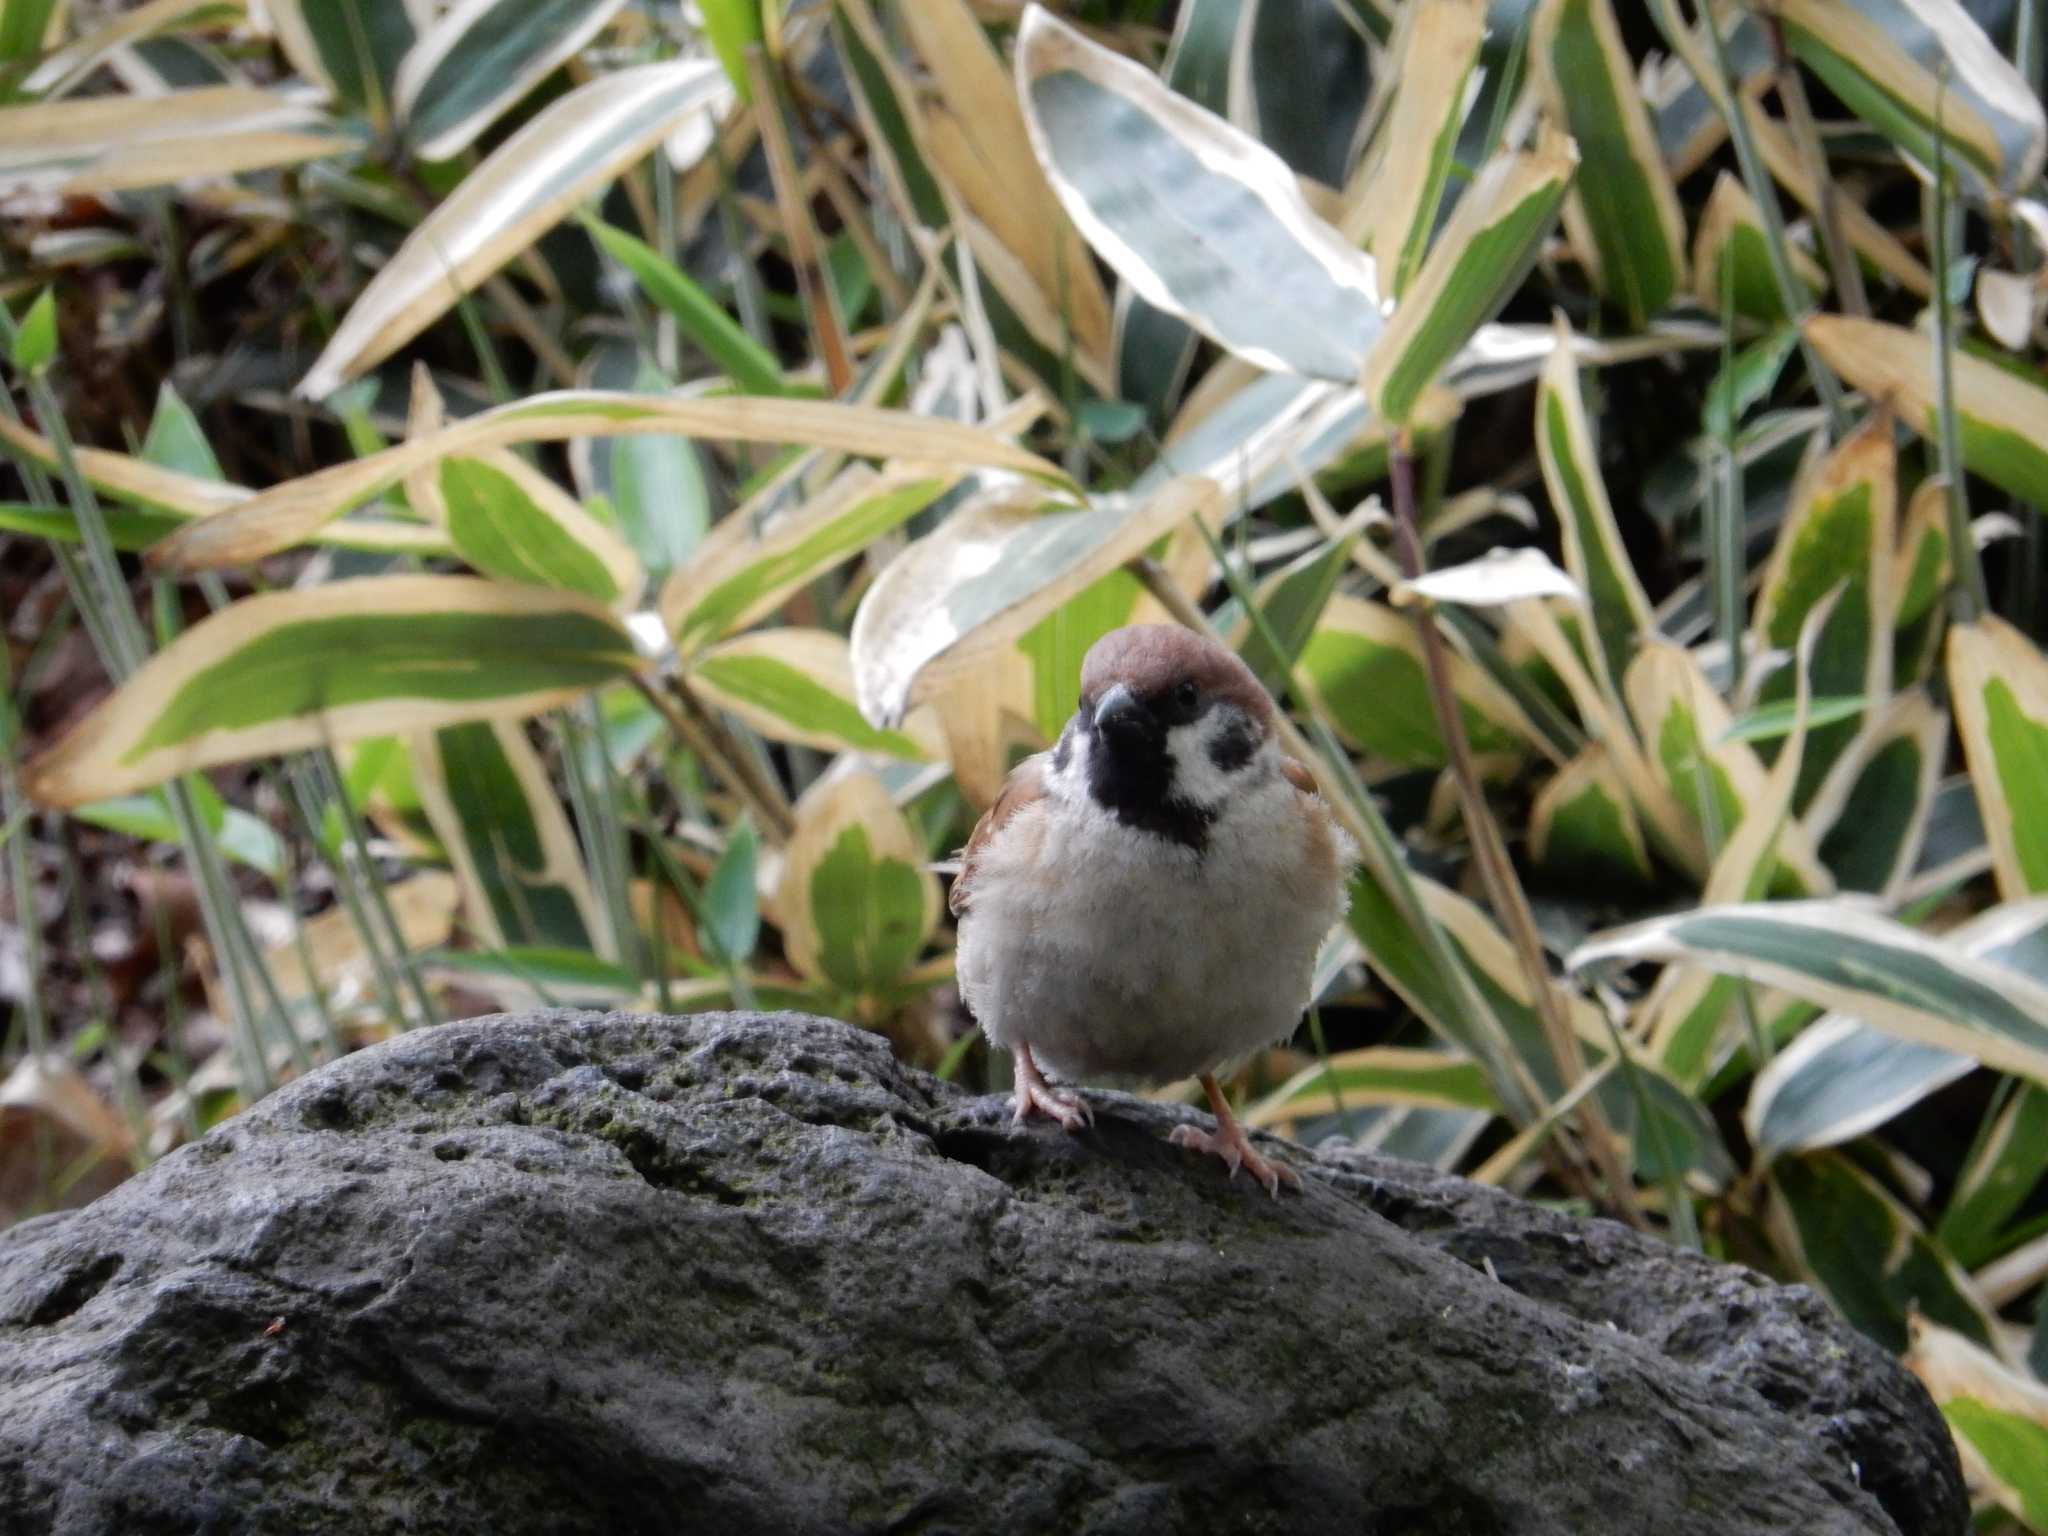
[(583, 1273)]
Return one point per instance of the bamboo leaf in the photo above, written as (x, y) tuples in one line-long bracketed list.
[(1001, 562), (1623, 211), (1868, 1253), (797, 685), (578, 144), (745, 361), (2001, 418), (1594, 553), (1384, 1074), (480, 56), (974, 134), (1474, 266), (1139, 167), (1440, 48), (1844, 957), (287, 514), (1730, 253), (511, 522), (1840, 533), (1841, 1078), (1871, 812), (1903, 65), (856, 902), (101, 144), (748, 565), (287, 670), (352, 47), (1364, 666), (1998, 681), (1583, 826), (487, 795)]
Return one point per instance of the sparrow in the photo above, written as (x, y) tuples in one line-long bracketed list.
[(1146, 899)]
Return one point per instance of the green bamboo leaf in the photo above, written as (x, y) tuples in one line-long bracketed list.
[(1748, 379), (1904, 65), (287, 670), (1058, 643), (1869, 1255), (487, 796), (553, 975), (2013, 1447), (1623, 212), (1998, 681), (1920, 576), (732, 909), (23, 26), (703, 319), (1364, 667), (654, 485), (2007, 1163), (242, 837), (1292, 602), (130, 531), (732, 27), (288, 513), (1139, 169), (2001, 417), (1474, 266), (511, 522), (481, 56), (35, 340), (797, 685)]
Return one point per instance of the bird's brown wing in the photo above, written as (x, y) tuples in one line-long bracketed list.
[(1299, 775), (1025, 784)]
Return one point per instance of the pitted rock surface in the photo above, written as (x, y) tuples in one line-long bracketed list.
[(745, 1272)]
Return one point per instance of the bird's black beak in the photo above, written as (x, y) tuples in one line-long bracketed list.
[(1121, 713)]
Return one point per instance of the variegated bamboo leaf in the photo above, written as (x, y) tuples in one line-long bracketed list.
[(1473, 267), (1440, 49), (1132, 162), (486, 793), (1731, 260), (1998, 681), (526, 185), (797, 685), (287, 670), (1000, 563), (1583, 825), (480, 56), (1870, 813), (856, 901), (1623, 211), (289, 513), (2002, 419)]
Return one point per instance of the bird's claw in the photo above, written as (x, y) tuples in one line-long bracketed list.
[(1231, 1145), (1069, 1109)]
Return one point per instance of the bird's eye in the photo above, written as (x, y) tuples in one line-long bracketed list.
[(1187, 696)]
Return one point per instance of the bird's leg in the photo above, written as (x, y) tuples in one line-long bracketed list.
[(1033, 1092), (1230, 1143)]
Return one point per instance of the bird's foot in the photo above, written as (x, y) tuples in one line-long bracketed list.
[(1229, 1142), (1034, 1094)]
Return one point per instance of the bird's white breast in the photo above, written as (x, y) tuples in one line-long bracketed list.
[(1115, 951)]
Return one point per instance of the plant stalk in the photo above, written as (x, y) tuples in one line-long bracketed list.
[(1490, 853)]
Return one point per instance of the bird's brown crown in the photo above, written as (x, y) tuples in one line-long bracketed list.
[(1152, 659)]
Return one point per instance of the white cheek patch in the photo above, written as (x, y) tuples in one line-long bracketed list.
[(1196, 776)]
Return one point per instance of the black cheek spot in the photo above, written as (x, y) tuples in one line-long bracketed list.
[(1233, 747)]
